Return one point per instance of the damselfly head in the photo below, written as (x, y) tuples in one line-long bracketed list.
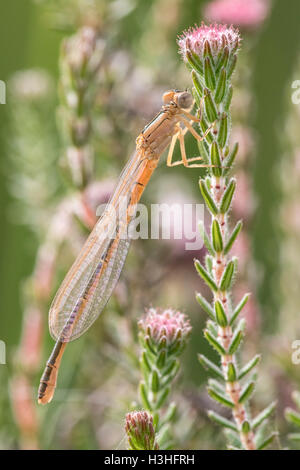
[(183, 99)]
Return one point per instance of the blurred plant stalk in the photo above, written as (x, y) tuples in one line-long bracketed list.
[(80, 61), (210, 53)]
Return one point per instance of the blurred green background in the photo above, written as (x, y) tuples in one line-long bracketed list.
[(28, 40)]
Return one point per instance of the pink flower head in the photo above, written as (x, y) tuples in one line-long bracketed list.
[(167, 326), (243, 13), (217, 36), (140, 431)]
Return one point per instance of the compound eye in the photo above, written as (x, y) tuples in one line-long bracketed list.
[(185, 100), (168, 96)]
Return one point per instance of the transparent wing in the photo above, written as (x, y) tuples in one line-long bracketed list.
[(89, 284)]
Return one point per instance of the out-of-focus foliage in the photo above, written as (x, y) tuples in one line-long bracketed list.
[(100, 372)]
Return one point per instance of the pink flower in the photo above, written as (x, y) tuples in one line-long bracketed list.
[(167, 326), (140, 431), (244, 13), (218, 36)]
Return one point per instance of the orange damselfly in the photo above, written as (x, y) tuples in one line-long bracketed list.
[(91, 280)]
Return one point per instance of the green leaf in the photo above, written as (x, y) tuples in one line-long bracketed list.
[(214, 343), (207, 51), (231, 373), (228, 98), (216, 386), (206, 306), (194, 61), (239, 308), (216, 160), (170, 414), (210, 366), (292, 416), (246, 427), (162, 396), (212, 328), (197, 84), (227, 276), (247, 392), (145, 363), (230, 159), (216, 236), (235, 343), (227, 197), (210, 108), (204, 126), (144, 396), (205, 276), (205, 238), (221, 317), (267, 441), (231, 65), (220, 398), (221, 86), (161, 360), (222, 421), (223, 59), (204, 150), (249, 366), (209, 75), (208, 198), (154, 382), (223, 130), (209, 264), (263, 415), (233, 236)]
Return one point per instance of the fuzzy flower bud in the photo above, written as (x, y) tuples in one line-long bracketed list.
[(140, 431), (209, 41), (167, 328)]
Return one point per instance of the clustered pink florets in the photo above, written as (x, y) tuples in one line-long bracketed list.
[(244, 13), (168, 323), (217, 35), (139, 420)]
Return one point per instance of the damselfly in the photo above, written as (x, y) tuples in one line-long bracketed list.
[(91, 280)]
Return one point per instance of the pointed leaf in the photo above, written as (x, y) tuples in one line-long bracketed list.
[(221, 86), (249, 366), (205, 238), (210, 366), (227, 197), (231, 372), (263, 415), (216, 160), (235, 342), (223, 130), (209, 75), (205, 276), (247, 392), (220, 398), (233, 237), (239, 308), (215, 344), (208, 198), (210, 107), (221, 317), (221, 420), (216, 236), (206, 306), (227, 277)]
